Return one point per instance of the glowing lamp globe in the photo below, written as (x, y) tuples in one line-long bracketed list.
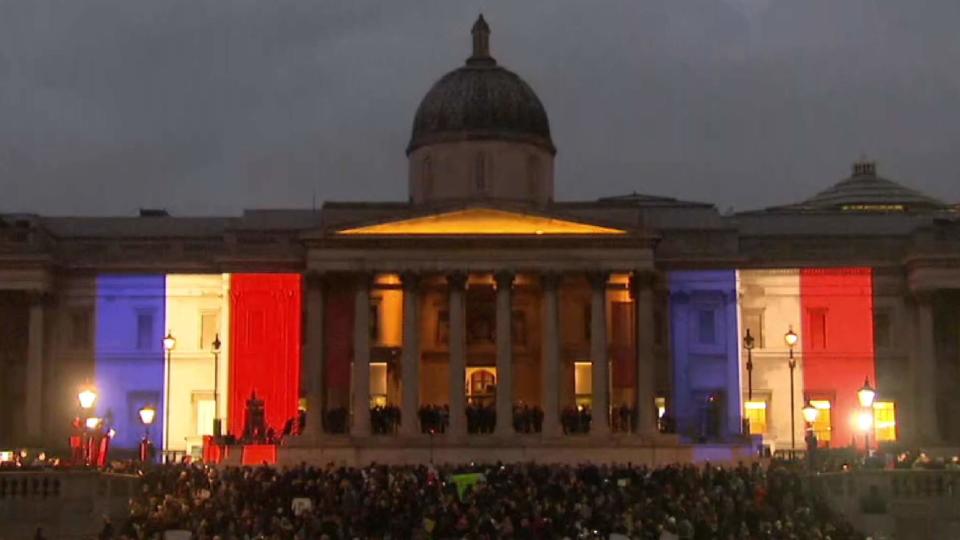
[(147, 414), (87, 397), (810, 413), (93, 422), (169, 342), (864, 421), (791, 338), (866, 394)]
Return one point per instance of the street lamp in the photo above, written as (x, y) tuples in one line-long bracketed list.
[(147, 414), (791, 339), (217, 428), (810, 415), (169, 342), (865, 396), (748, 343), (87, 397)]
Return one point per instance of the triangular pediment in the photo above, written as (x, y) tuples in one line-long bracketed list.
[(482, 221)]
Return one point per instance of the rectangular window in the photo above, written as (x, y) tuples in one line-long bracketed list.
[(204, 414), (753, 321), (823, 425), (145, 338), (818, 328), (209, 329), (375, 322), (442, 335), (881, 329), (756, 413), (885, 421), (587, 321), (378, 383), (706, 327), (583, 382), (659, 332), (80, 328)]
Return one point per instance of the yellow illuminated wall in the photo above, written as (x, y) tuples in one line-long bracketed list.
[(481, 221), (196, 307)]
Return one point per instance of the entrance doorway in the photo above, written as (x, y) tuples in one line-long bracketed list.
[(481, 385)]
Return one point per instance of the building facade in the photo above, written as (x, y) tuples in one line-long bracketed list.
[(482, 291)]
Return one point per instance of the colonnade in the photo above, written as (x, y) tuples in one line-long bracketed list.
[(550, 362)]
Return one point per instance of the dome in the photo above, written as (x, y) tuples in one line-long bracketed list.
[(865, 190), (481, 101)]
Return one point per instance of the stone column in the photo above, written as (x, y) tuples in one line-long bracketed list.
[(599, 358), (925, 370), (504, 401), (313, 360), (550, 363), (361, 357), (457, 350), (34, 390), (410, 357), (646, 358)]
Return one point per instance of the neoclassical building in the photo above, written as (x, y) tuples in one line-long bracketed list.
[(482, 290)]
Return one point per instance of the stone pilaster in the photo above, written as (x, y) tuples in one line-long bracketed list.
[(361, 357), (457, 348), (550, 363), (504, 401), (924, 363), (599, 357), (313, 360), (34, 379), (410, 356), (646, 357)]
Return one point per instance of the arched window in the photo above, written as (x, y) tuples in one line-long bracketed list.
[(426, 175), (480, 173)]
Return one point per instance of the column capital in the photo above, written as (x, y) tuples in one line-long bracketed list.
[(643, 279), (924, 296), (364, 279), (457, 280), (504, 278), (551, 280), (410, 280), (598, 279), (314, 279)]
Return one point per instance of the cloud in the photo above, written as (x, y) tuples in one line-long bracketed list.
[(208, 106)]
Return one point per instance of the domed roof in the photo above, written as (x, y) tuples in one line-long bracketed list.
[(865, 191), (481, 101)]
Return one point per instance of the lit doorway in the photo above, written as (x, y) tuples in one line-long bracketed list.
[(481, 385)]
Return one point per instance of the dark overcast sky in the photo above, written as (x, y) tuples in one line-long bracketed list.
[(211, 106)]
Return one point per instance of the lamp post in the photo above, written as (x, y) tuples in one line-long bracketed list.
[(810, 414), (748, 344), (791, 339), (169, 342), (865, 396), (87, 397), (147, 414), (217, 427)]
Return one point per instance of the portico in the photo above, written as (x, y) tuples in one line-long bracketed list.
[(475, 300)]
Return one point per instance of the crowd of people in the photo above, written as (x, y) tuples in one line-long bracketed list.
[(434, 418), (523, 501), (527, 419), (575, 420)]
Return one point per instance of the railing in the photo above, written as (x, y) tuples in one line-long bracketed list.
[(892, 485)]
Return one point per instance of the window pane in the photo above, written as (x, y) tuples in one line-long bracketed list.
[(818, 328), (583, 378), (205, 411), (209, 328), (756, 413), (885, 420), (144, 331), (881, 329), (706, 327), (822, 426)]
